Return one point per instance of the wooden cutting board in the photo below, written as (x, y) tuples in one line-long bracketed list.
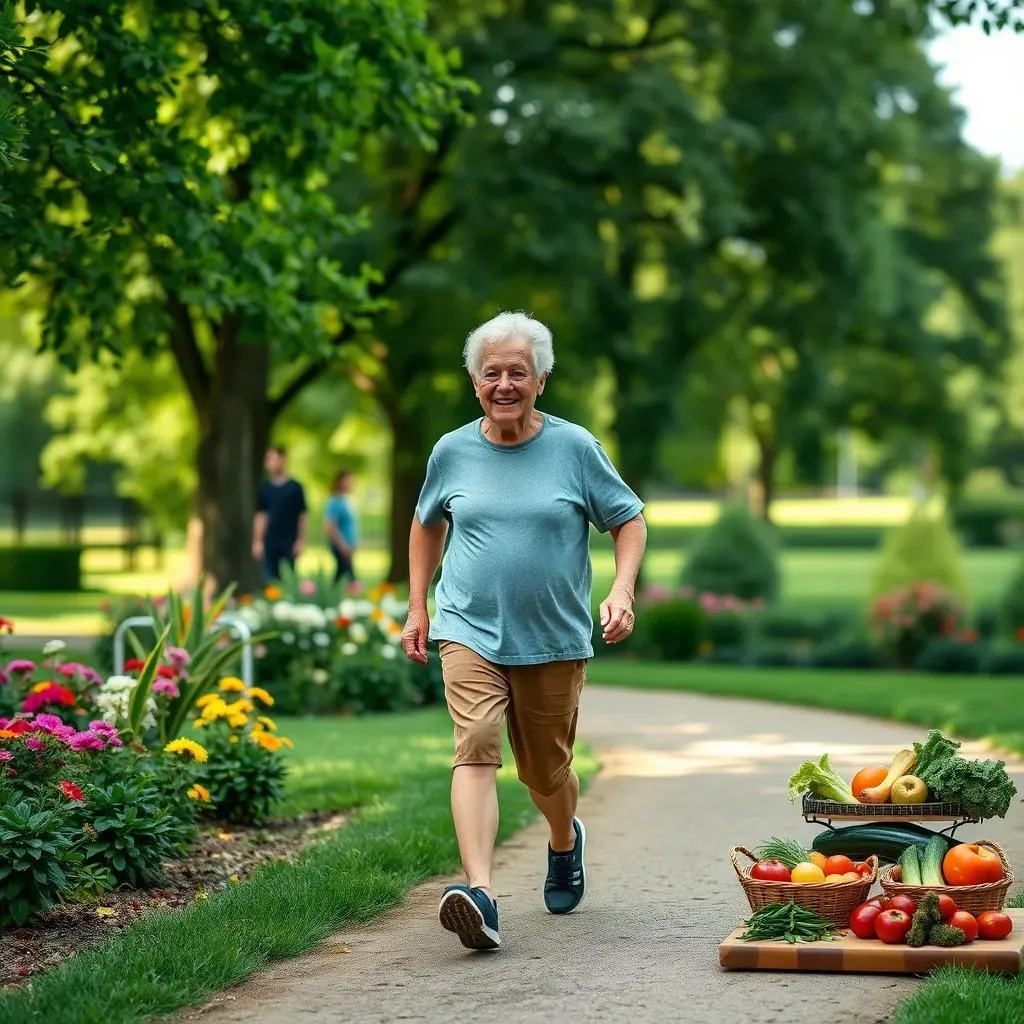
[(851, 955)]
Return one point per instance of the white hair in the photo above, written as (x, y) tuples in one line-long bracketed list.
[(508, 327)]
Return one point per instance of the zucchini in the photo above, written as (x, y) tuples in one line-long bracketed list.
[(886, 842), (931, 861), (910, 864)]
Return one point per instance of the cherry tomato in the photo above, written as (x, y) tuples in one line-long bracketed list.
[(891, 926), (901, 902), (862, 920), (961, 919), (994, 925), (947, 908)]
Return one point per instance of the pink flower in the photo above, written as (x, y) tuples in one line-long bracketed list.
[(179, 659), (6, 755), (21, 666), (261, 651), (4, 678), (355, 588), (166, 688), (103, 727), (34, 743), (731, 603), (86, 741), (709, 602), (686, 592), (48, 723), (307, 588)]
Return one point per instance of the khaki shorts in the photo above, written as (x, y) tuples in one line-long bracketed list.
[(539, 702)]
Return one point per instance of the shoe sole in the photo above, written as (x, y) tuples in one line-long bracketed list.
[(583, 872), (459, 914)]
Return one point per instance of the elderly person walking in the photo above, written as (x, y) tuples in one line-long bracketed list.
[(519, 490)]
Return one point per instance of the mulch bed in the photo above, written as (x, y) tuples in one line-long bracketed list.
[(224, 855)]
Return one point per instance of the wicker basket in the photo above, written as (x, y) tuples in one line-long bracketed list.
[(973, 898), (835, 901)]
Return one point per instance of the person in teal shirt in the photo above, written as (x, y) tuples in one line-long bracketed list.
[(340, 526)]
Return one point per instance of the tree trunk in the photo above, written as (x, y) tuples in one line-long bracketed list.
[(766, 475), (234, 429)]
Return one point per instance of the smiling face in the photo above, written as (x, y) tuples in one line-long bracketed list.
[(508, 385)]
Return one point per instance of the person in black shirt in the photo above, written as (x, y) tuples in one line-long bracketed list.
[(279, 529)]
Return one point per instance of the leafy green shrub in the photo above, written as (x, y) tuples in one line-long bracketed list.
[(778, 656), (52, 569), (244, 779), (923, 548), (1012, 605), (986, 622), (37, 859), (428, 681), (847, 652), (909, 618), (735, 556), (131, 832), (671, 630), (370, 683), (33, 768), (950, 656), (990, 521), (1006, 661), (728, 630)]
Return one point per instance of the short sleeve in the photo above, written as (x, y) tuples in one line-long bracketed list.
[(262, 505), (300, 499), (430, 507), (609, 502)]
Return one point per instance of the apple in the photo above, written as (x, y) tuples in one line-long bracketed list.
[(909, 789)]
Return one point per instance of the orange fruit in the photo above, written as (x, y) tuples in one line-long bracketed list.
[(867, 778), (817, 858)]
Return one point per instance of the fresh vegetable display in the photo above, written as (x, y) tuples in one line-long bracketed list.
[(928, 928), (930, 771), (788, 922), (786, 860), (886, 842)]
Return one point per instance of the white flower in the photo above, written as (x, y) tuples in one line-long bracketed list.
[(349, 648), (358, 632), (392, 606), (287, 638), (321, 639), (53, 646), (319, 676), (114, 700), (250, 616), (387, 651)]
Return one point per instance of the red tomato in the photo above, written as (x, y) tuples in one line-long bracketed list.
[(961, 919), (947, 908), (770, 871), (994, 925), (878, 901), (901, 902), (891, 926), (970, 864), (862, 869), (862, 920), (837, 865)]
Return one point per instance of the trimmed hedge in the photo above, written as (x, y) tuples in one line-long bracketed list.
[(52, 569), (990, 522), (792, 538)]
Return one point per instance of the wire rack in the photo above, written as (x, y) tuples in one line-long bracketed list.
[(823, 812)]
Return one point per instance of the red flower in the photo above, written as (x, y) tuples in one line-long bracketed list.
[(166, 672), (134, 665), (70, 790), (19, 725), (52, 694), (6, 626)]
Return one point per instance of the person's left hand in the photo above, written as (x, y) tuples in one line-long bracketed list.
[(617, 619), (297, 548)]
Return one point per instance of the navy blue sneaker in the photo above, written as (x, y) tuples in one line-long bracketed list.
[(472, 915), (566, 884)]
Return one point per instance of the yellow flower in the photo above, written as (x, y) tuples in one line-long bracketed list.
[(287, 742), (194, 750), (234, 739), (238, 721), (261, 695), (377, 615), (273, 593), (374, 594), (201, 793), (207, 698), (200, 723), (267, 741), (267, 723), (241, 707), (215, 710), (39, 687), (231, 684)]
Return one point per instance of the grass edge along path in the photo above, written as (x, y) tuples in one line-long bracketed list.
[(975, 707), (174, 959)]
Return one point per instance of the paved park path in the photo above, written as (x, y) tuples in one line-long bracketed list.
[(685, 778)]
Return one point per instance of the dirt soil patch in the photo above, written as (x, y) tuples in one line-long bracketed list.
[(223, 855)]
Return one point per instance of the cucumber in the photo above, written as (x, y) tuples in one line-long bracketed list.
[(931, 861), (886, 842), (910, 864)]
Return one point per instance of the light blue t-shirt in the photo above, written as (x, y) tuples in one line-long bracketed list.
[(516, 578), (339, 512)]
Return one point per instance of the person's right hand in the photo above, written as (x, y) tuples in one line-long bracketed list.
[(257, 550), (414, 636)]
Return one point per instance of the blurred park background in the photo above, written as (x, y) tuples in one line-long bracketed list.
[(779, 270)]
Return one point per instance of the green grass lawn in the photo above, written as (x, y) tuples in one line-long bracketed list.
[(975, 707), (394, 769)]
